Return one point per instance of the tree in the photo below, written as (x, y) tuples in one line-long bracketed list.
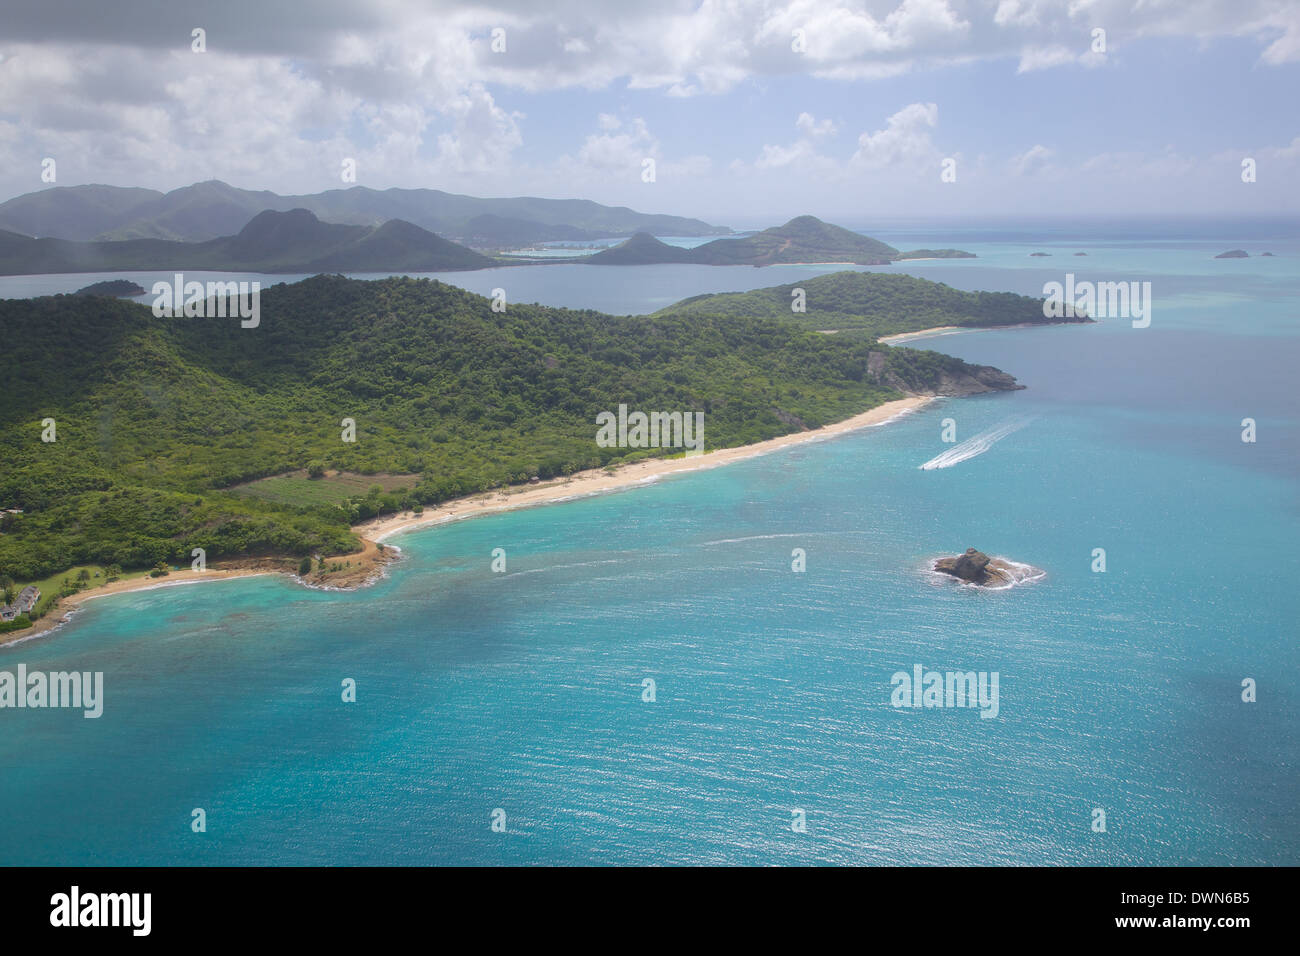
[(316, 469), (304, 567)]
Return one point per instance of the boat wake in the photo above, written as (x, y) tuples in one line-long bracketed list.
[(972, 447)]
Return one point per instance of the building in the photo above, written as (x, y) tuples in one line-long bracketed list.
[(27, 598)]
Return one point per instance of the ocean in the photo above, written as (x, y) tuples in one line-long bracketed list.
[(506, 718)]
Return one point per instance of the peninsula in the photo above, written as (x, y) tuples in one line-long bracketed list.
[(177, 434)]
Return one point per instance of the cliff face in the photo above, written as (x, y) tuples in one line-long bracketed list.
[(953, 378)]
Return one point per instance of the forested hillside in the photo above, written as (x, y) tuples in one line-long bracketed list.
[(157, 419), (875, 303)]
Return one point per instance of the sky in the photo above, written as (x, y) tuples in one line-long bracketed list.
[(751, 111)]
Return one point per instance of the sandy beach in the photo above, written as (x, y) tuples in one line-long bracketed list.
[(370, 559), (907, 336), (597, 481), (959, 330)]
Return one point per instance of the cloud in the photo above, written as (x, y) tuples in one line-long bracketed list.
[(1031, 160), (807, 125), (483, 135), (904, 140)]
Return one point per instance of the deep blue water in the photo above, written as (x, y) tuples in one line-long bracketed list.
[(523, 691)]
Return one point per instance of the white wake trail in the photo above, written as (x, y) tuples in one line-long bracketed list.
[(973, 446)]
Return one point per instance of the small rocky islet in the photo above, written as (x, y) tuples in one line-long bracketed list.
[(978, 569)]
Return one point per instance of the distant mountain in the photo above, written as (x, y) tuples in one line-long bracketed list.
[(802, 239), (641, 249), (492, 230), (74, 212), (213, 209), (273, 242)]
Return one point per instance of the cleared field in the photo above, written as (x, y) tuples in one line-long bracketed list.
[(297, 490), (51, 586)]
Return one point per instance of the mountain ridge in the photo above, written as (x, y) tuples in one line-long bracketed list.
[(212, 209), (272, 242)]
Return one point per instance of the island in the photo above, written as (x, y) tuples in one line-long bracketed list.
[(934, 254), (978, 569), (802, 240), (118, 288), (1233, 254)]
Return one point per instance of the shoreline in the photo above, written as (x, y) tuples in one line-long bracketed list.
[(939, 330), (599, 481), (579, 485)]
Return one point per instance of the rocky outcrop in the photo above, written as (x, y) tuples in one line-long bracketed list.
[(977, 568), (956, 381)]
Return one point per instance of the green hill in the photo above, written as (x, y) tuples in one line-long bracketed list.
[(874, 303), (642, 249), (157, 420), (802, 239)]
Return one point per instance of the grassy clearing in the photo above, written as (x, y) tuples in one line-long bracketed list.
[(335, 487), (51, 586)]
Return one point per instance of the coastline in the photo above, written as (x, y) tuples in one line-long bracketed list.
[(598, 481), (956, 329), (581, 484)]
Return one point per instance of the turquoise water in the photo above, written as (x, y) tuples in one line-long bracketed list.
[(522, 691)]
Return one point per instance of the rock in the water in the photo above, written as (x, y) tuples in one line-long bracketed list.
[(976, 567)]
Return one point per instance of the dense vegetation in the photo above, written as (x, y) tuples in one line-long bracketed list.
[(114, 287), (158, 420), (874, 303)]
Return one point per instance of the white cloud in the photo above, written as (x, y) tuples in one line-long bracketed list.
[(1031, 160), (904, 140), (809, 126), (620, 148)]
